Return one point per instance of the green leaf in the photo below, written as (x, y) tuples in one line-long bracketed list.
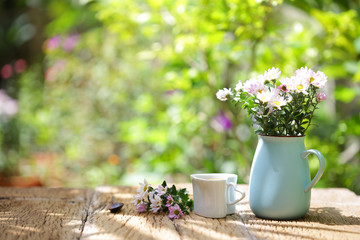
[(164, 184), (173, 190), (183, 195)]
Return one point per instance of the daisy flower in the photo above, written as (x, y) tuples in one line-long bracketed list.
[(138, 199), (239, 86), (299, 84), (272, 73), (175, 211), (318, 80), (253, 86), (223, 94), (143, 189), (155, 202), (170, 201), (141, 207), (277, 101), (161, 190), (320, 97), (264, 96)]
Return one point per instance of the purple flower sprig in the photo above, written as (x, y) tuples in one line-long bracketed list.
[(163, 199)]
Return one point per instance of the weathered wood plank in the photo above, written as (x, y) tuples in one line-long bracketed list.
[(43, 213), (334, 214), (128, 224)]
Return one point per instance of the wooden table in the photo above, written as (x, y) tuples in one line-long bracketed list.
[(52, 213)]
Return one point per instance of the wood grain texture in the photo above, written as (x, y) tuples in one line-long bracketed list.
[(334, 214), (43, 213)]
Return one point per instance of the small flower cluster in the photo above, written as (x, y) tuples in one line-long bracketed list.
[(163, 199), (283, 109)]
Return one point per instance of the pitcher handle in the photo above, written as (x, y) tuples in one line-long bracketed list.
[(321, 166), (236, 190)]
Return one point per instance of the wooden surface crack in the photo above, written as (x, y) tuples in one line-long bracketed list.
[(88, 205), (177, 229)]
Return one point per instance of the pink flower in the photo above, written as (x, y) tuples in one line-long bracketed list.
[(283, 88), (6, 71), (320, 97), (175, 211), (141, 207), (170, 201), (71, 42), (53, 43), (20, 65)]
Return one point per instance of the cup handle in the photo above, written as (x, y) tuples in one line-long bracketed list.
[(237, 190), (321, 167)]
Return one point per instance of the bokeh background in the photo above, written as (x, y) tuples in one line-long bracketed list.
[(112, 91)]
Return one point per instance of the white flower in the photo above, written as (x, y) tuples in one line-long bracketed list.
[(143, 189), (286, 81), (299, 84), (223, 94), (238, 86), (305, 72), (264, 96), (261, 78), (138, 199), (161, 190), (277, 101), (253, 86), (272, 73), (155, 202), (318, 80)]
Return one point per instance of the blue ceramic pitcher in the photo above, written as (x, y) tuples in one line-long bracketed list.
[(280, 184)]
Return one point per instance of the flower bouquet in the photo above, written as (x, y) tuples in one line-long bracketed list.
[(163, 199), (285, 108)]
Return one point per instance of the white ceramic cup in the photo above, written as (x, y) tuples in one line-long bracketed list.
[(214, 194)]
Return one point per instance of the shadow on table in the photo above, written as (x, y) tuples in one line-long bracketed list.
[(329, 216)]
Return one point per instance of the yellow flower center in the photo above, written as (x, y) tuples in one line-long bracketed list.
[(145, 187), (277, 103), (312, 79), (176, 211), (299, 87)]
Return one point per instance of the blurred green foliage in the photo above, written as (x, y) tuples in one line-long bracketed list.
[(127, 88)]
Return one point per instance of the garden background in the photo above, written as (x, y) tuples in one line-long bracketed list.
[(112, 91)]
